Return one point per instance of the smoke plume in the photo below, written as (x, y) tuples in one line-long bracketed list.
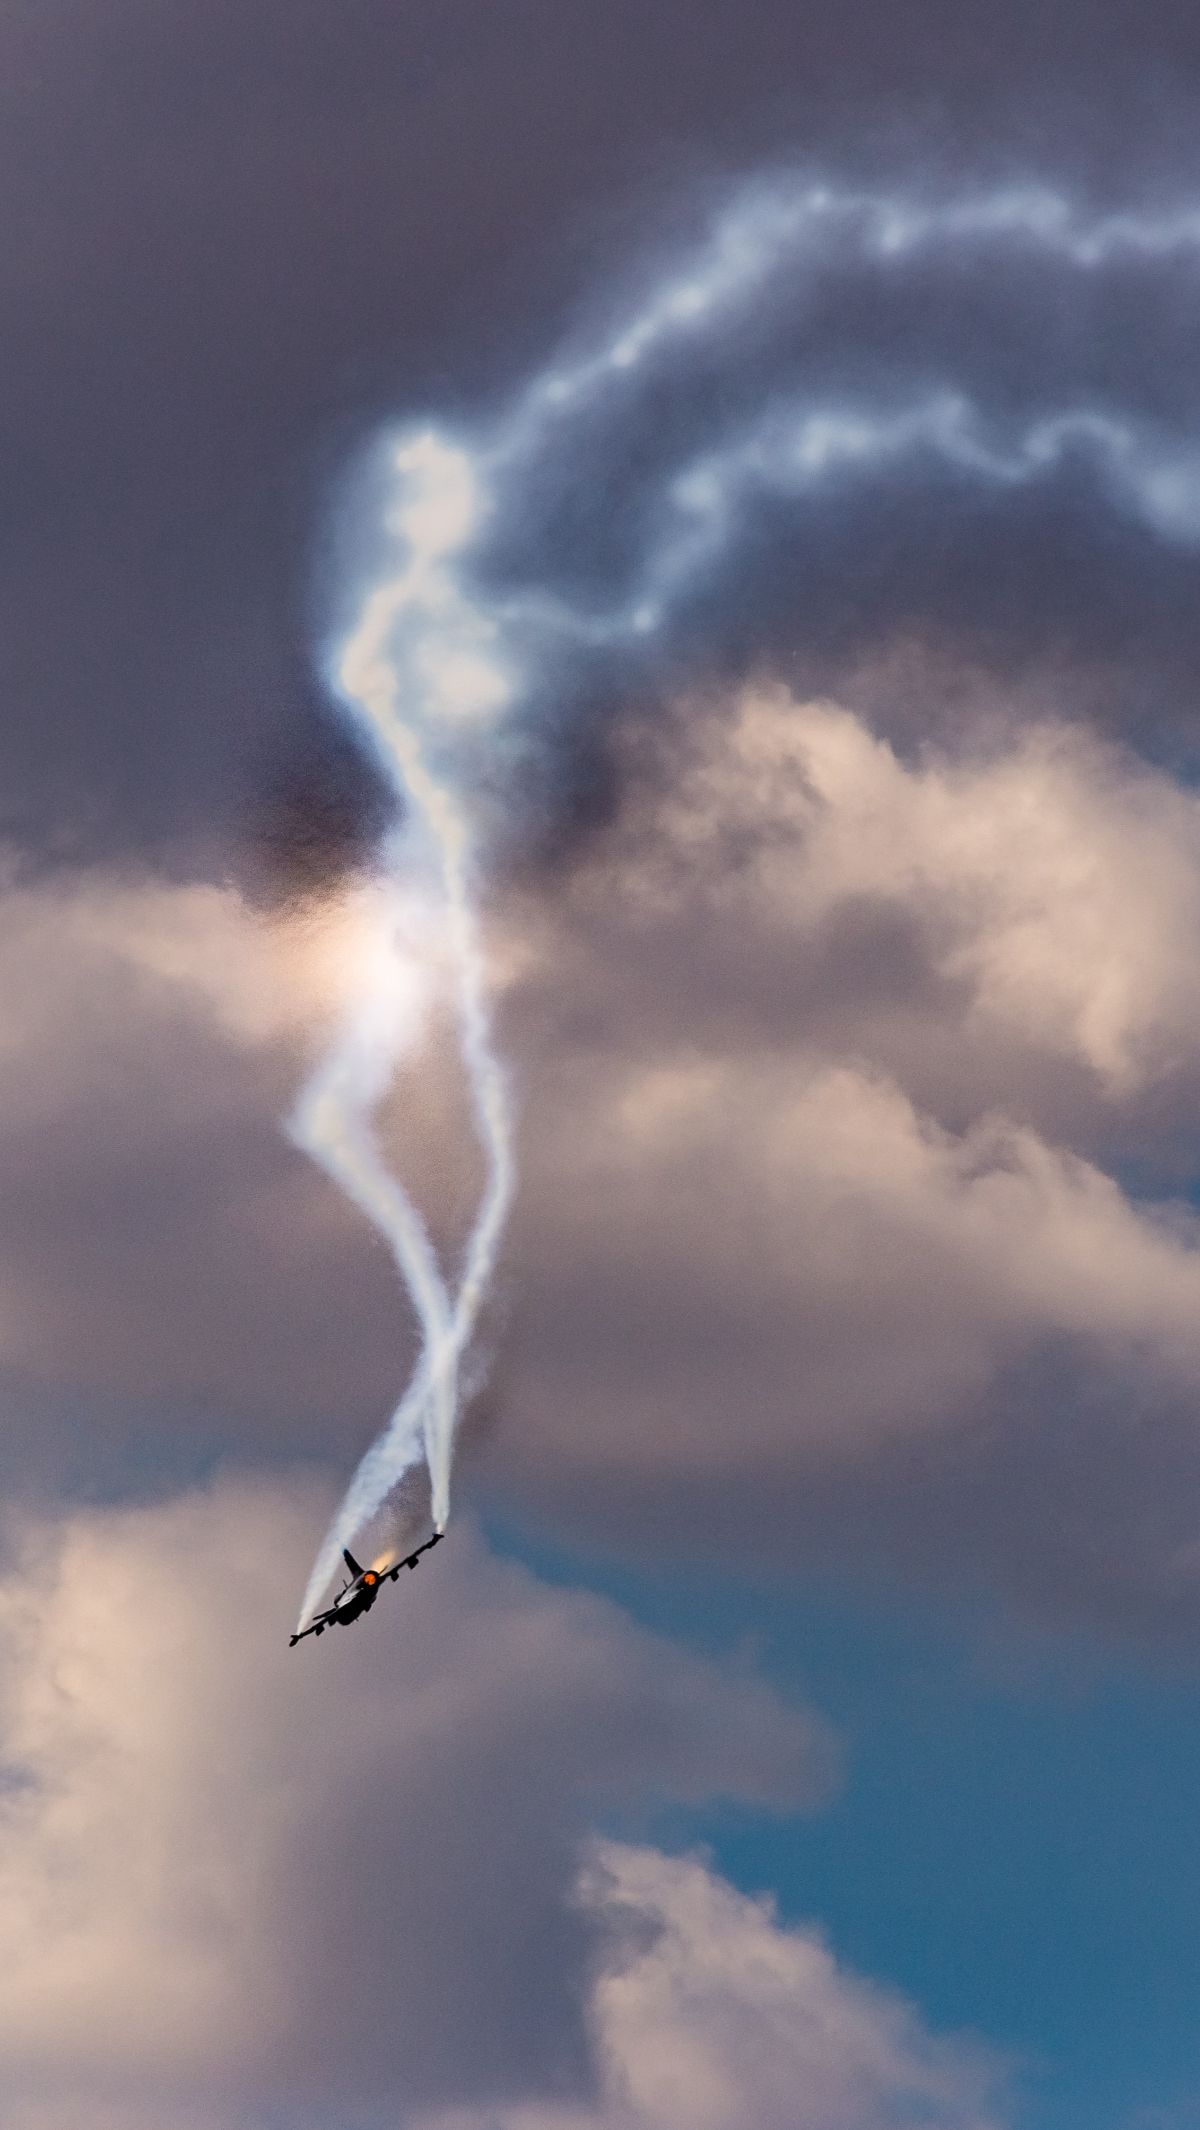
[(472, 623)]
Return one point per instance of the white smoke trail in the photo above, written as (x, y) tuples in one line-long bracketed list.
[(418, 658), (433, 660)]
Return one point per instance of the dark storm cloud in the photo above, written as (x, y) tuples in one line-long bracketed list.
[(233, 234)]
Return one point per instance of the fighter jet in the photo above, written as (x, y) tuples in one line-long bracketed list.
[(358, 1595)]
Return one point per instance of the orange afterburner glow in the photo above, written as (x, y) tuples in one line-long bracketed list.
[(370, 1579)]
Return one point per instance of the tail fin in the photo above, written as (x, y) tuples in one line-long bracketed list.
[(350, 1561)]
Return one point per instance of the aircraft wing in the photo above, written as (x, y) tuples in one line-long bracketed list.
[(411, 1559), (316, 1626)]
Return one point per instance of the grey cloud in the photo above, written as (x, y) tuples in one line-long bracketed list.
[(171, 1251), (146, 1171), (708, 2011), (701, 2007), (1005, 921), (235, 236), (830, 1061), (753, 1276)]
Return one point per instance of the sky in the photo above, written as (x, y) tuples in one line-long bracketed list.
[(781, 427)]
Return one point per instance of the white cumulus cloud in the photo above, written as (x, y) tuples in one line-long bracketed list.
[(710, 2015), (237, 1877)]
